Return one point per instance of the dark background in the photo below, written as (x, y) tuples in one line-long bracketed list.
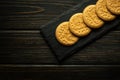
[(24, 55)]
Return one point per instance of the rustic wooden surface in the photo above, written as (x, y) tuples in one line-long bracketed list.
[(23, 52)]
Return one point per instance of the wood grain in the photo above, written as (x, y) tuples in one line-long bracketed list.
[(29, 47), (46, 72), (30, 14), (23, 52)]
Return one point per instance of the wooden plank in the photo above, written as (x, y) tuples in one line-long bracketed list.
[(27, 46), (66, 72), (31, 14)]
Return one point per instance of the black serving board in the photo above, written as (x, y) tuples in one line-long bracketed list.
[(62, 52)]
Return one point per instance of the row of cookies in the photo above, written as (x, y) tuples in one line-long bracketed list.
[(81, 24)]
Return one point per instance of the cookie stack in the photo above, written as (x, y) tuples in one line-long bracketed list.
[(81, 24)]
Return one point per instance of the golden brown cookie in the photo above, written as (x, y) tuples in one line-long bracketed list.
[(103, 12), (90, 17), (114, 6), (77, 26), (64, 36)]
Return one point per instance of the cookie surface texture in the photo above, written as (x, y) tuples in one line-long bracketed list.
[(114, 6), (64, 36), (90, 17), (103, 12), (77, 26)]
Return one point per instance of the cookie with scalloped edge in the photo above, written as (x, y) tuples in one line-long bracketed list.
[(114, 6), (77, 25), (90, 17), (64, 36), (103, 12)]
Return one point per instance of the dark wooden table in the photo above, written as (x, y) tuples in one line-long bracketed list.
[(24, 55)]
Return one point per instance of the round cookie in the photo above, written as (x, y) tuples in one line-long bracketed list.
[(77, 26), (103, 12), (90, 17), (114, 6), (64, 36)]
